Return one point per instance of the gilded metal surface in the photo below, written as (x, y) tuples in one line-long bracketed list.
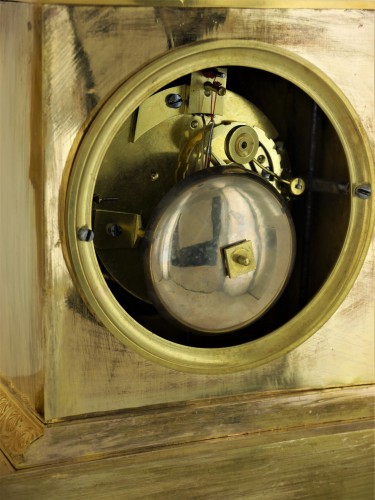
[(340, 353), (242, 144), (19, 425), (154, 110), (184, 262), (297, 186), (116, 229), (21, 187), (89, 159), (87, 53), (241, 4), (239, 259), (258, 146), (202, 99)]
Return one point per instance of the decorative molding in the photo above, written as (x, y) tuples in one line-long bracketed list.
[(239, 4), (19, 424), (333, 461), (135, 431)]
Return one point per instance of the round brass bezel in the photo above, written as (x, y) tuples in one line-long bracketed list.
[(87, 162)]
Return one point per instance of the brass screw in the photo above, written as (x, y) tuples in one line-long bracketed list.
[(363, 191), (211, 87), (299, 186), (242, 259), (114, 230), (173, 101), (154, 175), (84, 233)]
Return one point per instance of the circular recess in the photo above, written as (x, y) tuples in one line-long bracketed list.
[(346, 245)]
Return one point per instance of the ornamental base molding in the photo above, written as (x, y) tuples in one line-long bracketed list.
[(19, 424)]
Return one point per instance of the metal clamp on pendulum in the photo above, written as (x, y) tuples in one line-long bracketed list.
[(215, 87), (296, 186), (211, 89)]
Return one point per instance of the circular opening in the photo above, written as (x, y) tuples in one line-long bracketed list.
[(306, 136), (308, 145)]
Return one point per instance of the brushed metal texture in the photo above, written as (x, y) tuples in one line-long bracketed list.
[(86, 53)]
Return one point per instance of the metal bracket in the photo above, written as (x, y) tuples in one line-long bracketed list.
[(117, 229), (239, 258)]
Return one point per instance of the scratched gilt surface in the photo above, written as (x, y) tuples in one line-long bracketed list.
[(21, 248), (87, 52)]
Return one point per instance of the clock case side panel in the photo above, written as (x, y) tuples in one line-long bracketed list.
[(21, 199)]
